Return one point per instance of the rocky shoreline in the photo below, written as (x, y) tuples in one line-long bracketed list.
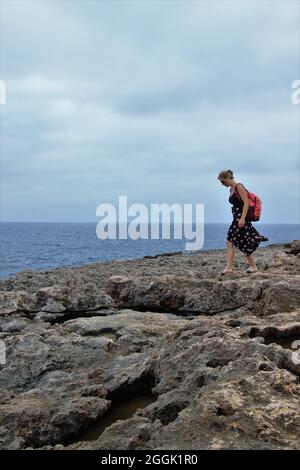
[(203, 361)]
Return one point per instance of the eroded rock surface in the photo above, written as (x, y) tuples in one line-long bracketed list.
[(217, 353)]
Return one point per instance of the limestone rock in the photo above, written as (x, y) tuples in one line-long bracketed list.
[(218, 354)]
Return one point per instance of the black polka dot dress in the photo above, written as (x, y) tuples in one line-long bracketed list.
[(247, 238)]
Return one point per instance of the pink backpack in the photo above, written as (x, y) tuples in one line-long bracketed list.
[(255, 205)]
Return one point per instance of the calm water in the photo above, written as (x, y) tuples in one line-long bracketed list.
[(122, 409), (43, 245)]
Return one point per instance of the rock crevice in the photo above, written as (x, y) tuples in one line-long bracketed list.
[(80, 340)]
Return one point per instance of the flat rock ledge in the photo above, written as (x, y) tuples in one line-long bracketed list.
[(217, 354)]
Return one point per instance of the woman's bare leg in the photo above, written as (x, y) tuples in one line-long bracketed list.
[(251, 261), (230, 255)]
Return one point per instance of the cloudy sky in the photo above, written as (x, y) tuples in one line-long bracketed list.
[(151, 99)]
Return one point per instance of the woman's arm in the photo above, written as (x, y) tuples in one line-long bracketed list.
[(243, 193)]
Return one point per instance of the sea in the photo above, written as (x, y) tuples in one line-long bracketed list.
[(48, 245)]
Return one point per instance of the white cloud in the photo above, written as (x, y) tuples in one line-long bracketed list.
[(152, 98)]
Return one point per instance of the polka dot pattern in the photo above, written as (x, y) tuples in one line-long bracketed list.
[(247, 238)]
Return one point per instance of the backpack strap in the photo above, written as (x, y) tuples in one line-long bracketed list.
[(238, 195), (235, 190)]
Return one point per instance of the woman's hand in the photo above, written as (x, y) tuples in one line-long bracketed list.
[(241, 223)]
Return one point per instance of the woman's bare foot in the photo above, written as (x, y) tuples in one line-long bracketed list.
[(251, 270), (227, 271)]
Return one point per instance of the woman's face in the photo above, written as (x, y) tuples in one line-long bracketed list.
[(225, 181)]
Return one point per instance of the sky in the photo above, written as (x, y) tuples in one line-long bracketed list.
[(149, 99)]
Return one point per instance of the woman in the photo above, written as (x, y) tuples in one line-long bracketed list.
[(241, 233)]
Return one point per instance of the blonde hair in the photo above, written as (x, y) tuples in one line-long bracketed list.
[(225, 174)]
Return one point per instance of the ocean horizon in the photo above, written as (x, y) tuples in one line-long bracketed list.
[(49, 245)]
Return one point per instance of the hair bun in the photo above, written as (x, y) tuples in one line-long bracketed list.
[(226, 174)]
